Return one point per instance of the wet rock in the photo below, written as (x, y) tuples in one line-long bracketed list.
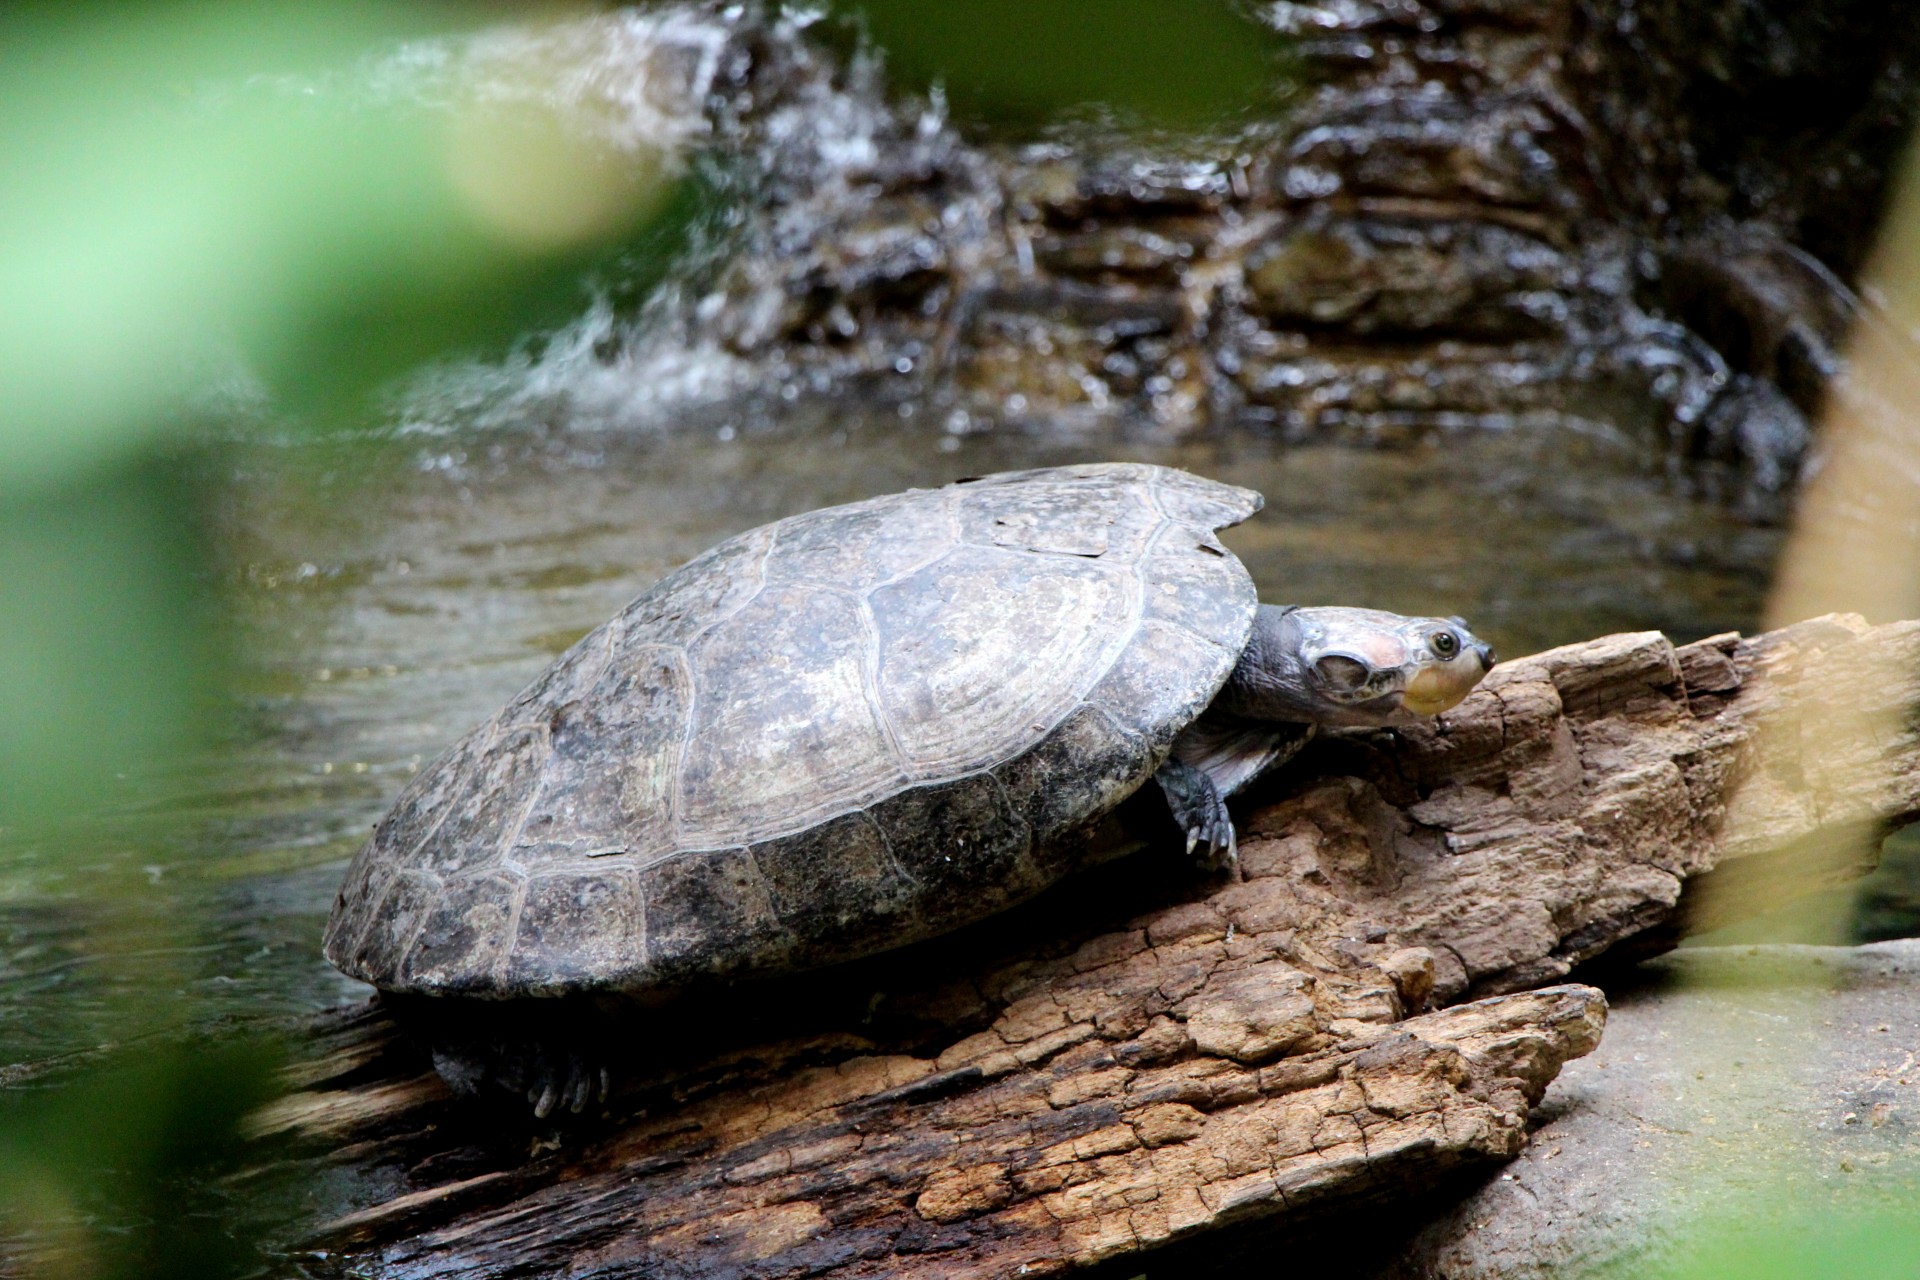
[(1405, 278), (1754, 424), (1770, 309), (1511, 154), (1467, 212)]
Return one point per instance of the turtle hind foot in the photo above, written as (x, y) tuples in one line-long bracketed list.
[(546, 1055), (549, 1077), (1200, 811)]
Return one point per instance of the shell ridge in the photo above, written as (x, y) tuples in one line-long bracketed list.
[(677, 804), (1167, 525), (670, 795), (510, 837), (640, 907), (1006, 801), (492, 727), (886, 845), (405, 953), (1153, 496), (1173, 522), (910, 570), (870, 685), (515, 909)]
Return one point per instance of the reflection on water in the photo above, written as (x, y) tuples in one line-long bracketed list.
[(395, 597)]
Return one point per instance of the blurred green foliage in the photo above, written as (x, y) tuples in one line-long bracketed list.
[(1174, 63), (110, 654), (169, 205), (1798, 1244), (136, 1145)]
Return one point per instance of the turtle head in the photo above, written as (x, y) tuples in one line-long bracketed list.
[(1354, 667)]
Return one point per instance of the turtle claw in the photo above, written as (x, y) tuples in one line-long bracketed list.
[(1200, 810), (550, 1059), (566, 1079)]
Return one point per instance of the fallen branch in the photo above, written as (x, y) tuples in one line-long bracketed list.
[(1145, 1055)]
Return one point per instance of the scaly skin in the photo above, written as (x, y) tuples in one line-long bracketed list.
[(1336, 667)]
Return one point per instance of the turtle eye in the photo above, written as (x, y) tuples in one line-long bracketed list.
[(1341, 673), (1444, 644)]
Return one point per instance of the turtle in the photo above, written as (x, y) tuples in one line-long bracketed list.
[(850, 730)]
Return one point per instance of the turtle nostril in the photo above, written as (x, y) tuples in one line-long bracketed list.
[(1486, 656)]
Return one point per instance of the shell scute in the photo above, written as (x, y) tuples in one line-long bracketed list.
[(466, 931), (613, 771), (835, 882), (402, 907), (782, 729), (710, 913), (500, 781), (1200, 503), (1087, 764), (1090, 516), (425, 803), (985, 649), (569, 679), (857, 547), (1151, 684), (707, 589), (576, 928), (1189, 584), (963, 844)]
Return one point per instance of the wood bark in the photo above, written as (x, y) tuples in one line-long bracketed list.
[(1148, 1054)]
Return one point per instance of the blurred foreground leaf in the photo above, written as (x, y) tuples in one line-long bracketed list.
[(108, 659), (117, 1175), (1180, 63), (1880, 1244), (178, 196), (167, 197)]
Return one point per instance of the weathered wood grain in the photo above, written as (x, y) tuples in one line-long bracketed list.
[(1148, 1054)]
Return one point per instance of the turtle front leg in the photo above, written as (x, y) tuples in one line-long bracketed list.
[(1199, 810)]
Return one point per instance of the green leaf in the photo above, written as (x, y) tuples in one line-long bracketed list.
[(1180, 63)]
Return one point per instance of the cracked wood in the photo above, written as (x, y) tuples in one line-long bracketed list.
[(1145, 1055)]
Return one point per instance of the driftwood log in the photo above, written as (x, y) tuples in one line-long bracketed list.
[(1146, 1055)]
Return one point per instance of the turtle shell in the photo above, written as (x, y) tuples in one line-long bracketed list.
[(826, 737)]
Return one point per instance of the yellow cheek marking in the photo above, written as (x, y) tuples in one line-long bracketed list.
[(1432, 691)]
